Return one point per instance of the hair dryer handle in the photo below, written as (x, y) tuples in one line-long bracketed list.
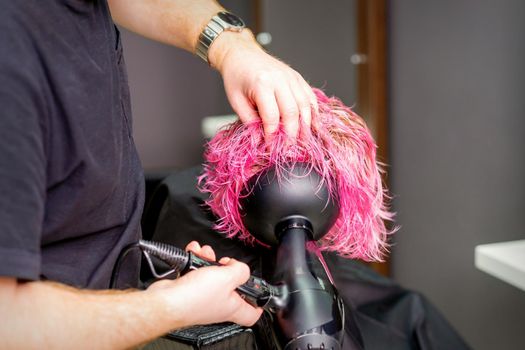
[(256, 291)]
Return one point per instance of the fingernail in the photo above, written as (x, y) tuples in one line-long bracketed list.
[(193, 246), (224, 260)]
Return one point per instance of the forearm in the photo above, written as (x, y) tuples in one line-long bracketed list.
[(257, 85), (178, 23), (46, 315), (174, 22)]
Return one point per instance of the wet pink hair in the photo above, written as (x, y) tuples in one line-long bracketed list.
[(339, 147)]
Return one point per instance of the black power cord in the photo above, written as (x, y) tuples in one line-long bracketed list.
[(118, 264)]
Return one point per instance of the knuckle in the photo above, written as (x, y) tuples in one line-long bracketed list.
[(299, 77), (263, 79)]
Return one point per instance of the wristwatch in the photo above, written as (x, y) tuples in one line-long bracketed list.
[(219, 23)]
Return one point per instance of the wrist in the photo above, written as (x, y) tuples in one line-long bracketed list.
[(228, 43), (169, 299)]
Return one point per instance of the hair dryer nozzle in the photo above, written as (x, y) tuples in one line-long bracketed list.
[(276, 195)]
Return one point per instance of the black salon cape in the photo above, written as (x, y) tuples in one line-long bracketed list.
[(379, 313)]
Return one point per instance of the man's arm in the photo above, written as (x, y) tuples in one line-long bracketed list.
[(257, 84), (47, 315)]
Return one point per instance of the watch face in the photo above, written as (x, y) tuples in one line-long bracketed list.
[(231, 19)]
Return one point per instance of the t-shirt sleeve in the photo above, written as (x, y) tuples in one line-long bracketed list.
[(22, 157)]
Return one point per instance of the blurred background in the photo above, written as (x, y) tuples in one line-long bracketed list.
[(440, 83)]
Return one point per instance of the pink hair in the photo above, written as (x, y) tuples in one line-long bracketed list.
[(339, 147)]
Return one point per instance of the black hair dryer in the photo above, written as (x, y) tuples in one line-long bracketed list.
[(288, 210)]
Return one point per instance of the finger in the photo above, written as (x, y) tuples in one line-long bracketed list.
[(239, 272), (193, 246), (306, 116), (303, 101), (313, 99), (244, 108), (207, 253), (314, 104), (224, 260), (268, 111), (246, 315), (288, 109)]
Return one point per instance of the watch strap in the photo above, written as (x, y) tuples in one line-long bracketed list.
[(213, 29), (208, 35)]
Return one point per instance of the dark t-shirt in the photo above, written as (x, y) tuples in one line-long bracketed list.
[(71, 184)]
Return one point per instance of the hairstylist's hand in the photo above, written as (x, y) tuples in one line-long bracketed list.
[(260, 86), (208, 295)]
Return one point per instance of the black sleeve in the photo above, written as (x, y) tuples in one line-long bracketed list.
[(22, 152)]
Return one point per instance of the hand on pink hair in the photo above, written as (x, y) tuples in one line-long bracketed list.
[(260, 86)]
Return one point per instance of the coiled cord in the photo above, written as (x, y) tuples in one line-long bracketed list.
[(177, 259)]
